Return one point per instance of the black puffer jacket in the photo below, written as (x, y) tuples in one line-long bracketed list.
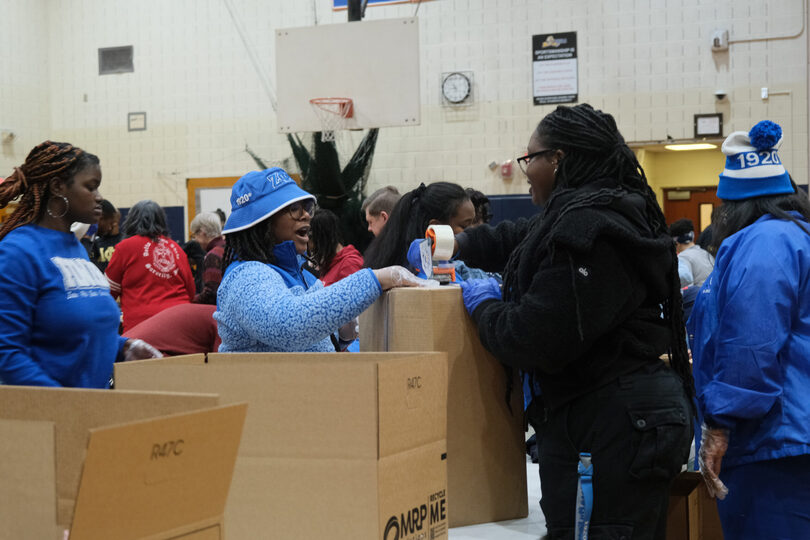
[(582, 291)]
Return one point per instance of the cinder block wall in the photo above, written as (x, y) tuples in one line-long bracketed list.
[(647, 62), (24, 83)]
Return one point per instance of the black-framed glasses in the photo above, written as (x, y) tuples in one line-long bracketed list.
[(524, 161), (297, 209)]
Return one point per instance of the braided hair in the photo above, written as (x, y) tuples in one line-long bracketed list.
[(594, 150), (252, 244), (31, 181)]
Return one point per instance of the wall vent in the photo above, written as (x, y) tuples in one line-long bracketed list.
[(115, 60)]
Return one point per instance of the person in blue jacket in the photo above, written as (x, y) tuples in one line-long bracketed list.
[(58, 322), (267, 302), (750, 333)]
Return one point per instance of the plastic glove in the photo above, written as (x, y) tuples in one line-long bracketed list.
[(396, 276), (476, 291), (713, 446), (138, 349), (349, 331), (415, 255)]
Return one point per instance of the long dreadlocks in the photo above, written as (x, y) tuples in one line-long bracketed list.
[(594, 149), (31, 180), (252, 244)]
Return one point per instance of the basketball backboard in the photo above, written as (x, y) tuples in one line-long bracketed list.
[(374, 63)]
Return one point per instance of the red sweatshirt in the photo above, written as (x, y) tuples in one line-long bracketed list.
[(149, 277), (180, 329), (347, 261)]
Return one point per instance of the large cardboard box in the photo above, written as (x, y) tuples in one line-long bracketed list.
[(338, 446), (109, 464), (486, 453), (692, 513)]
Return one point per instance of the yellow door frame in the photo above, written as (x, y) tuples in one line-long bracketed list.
[(193, 184)]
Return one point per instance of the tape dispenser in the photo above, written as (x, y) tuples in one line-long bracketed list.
[(436, 252)]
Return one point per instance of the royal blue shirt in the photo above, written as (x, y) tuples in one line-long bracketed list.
[(58, 322)]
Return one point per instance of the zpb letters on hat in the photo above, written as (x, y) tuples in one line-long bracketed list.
[(260, 194), (753, 167)]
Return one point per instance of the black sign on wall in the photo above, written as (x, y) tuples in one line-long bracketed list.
[(554, 68)]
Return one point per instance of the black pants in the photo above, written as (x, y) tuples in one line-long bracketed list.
[(638, 430)]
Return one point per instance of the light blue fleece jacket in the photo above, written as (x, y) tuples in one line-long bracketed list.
[(282, 308)]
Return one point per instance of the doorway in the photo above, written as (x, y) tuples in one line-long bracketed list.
[(695, 203)]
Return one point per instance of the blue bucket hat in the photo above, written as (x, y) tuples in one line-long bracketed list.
[(753, 167), (260, 194)]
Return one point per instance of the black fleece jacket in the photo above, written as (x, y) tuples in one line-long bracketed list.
[(582, 291)]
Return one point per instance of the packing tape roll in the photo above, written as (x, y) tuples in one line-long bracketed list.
[(443, 241)]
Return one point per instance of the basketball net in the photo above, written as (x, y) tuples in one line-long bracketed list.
[(332, 113)]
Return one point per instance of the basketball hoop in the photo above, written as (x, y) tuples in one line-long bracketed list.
[(332, 113)]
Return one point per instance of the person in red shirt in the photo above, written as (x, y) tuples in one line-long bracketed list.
[(148, 270), (334, 260), (180, 329)]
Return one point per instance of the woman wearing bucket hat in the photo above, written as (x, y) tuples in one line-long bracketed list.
[(750, 332), (266, 301)]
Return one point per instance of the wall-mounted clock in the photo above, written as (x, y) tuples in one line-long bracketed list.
[(457, 87)]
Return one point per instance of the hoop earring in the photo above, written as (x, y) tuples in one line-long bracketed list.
[(67, 207)]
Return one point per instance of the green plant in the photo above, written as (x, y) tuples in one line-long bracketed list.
[(341, 191)]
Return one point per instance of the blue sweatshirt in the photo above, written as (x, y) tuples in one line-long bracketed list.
[(58, 322), (280, 308)]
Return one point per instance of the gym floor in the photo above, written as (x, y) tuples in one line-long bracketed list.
[(532, 527)]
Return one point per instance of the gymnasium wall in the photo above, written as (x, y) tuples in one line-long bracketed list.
[(24, 80), (646, 61)]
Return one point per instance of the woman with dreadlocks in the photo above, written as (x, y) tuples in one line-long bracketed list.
[(58, 322), (590, 303), (267, 301), (750, 332)]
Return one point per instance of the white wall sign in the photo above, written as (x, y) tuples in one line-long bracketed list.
[(554, 66)]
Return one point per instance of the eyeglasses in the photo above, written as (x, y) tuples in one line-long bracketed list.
[(524, 161), (297, 209)]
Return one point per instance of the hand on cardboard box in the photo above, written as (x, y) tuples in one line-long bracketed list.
[(713, 446), (138, 349), (349, 331), (476, 291), (397, 276)]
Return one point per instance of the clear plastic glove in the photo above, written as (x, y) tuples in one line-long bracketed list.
[(349, 331), (138, 349), (476, 291), (713, 446), (397, 276)]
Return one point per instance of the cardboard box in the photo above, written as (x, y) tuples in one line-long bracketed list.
[(338, 446), (486, 453), (114, 464), (692, 513)]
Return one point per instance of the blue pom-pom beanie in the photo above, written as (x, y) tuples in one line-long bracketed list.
[(753, 167)]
